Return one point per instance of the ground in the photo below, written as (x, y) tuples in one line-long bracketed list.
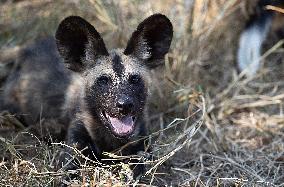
[(210, 126)]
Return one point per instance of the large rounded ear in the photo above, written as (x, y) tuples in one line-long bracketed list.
[(151, 40), (78, 42)]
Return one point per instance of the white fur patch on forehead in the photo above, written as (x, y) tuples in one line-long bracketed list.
[(131, 64), (102, 66)]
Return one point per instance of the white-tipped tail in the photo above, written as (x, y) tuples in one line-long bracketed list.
[(250, 45)]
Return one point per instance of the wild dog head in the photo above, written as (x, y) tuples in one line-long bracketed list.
[(116, 81)]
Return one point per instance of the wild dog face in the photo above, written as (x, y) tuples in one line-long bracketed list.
[(115, 82)]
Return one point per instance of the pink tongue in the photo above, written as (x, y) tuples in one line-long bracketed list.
[(123, 125)]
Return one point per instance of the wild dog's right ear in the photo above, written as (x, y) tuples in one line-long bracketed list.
[(151, 40), (78, 42)]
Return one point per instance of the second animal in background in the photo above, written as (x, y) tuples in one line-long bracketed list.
[(254, 35)]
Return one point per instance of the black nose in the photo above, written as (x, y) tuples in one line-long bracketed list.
[(125, 104)]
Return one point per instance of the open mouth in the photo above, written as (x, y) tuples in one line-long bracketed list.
[(123, 126)]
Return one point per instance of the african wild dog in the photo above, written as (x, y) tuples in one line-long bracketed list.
[(102, 95)]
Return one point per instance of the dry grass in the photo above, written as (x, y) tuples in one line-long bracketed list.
[(211, 126)]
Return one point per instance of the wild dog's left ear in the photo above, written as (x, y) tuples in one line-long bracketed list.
[(151, 40)]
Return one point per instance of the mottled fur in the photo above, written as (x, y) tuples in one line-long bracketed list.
[(100, 95)]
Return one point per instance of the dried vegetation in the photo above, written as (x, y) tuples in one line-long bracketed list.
[(210, 125)]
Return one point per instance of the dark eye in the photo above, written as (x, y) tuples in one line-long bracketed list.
[(134, 79), (103, 80)]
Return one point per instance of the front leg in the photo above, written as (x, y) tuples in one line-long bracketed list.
[(79, 139), (145, 152)]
